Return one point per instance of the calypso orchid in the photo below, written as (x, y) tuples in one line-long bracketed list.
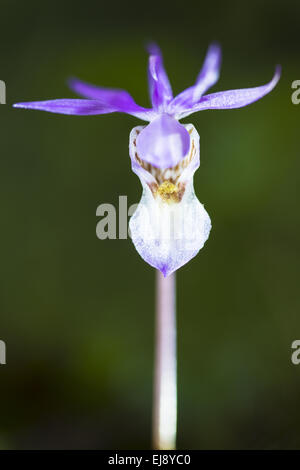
[(170, 225)]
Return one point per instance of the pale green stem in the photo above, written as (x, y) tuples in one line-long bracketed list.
[(165, 368)]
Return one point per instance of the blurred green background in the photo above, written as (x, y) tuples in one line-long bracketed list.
[(77, 313)]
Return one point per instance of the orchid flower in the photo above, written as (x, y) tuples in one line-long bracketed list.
[(170, 225)]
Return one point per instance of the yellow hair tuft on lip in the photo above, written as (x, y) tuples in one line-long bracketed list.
[(168, 192)]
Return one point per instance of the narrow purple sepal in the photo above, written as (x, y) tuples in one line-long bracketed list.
[(159, 86), (164, 142), (231, 99), (119, 100), (68, 106), (207, 77)]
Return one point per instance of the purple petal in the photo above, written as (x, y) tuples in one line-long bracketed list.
[(207, 77), (68, 106), (210, 71), (164, 142), (159, 85), (231, 99), (119, 100)]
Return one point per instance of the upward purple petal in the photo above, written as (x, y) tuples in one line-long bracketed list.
[(207, 77), (210, 71), (119, 100), (231, 99), (159, 85)]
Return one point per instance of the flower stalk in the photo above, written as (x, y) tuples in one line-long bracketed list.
[(165, 367)]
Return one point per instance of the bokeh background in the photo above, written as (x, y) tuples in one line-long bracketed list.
[(77, 313)]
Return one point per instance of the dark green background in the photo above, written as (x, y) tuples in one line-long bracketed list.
[(77, 313)]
